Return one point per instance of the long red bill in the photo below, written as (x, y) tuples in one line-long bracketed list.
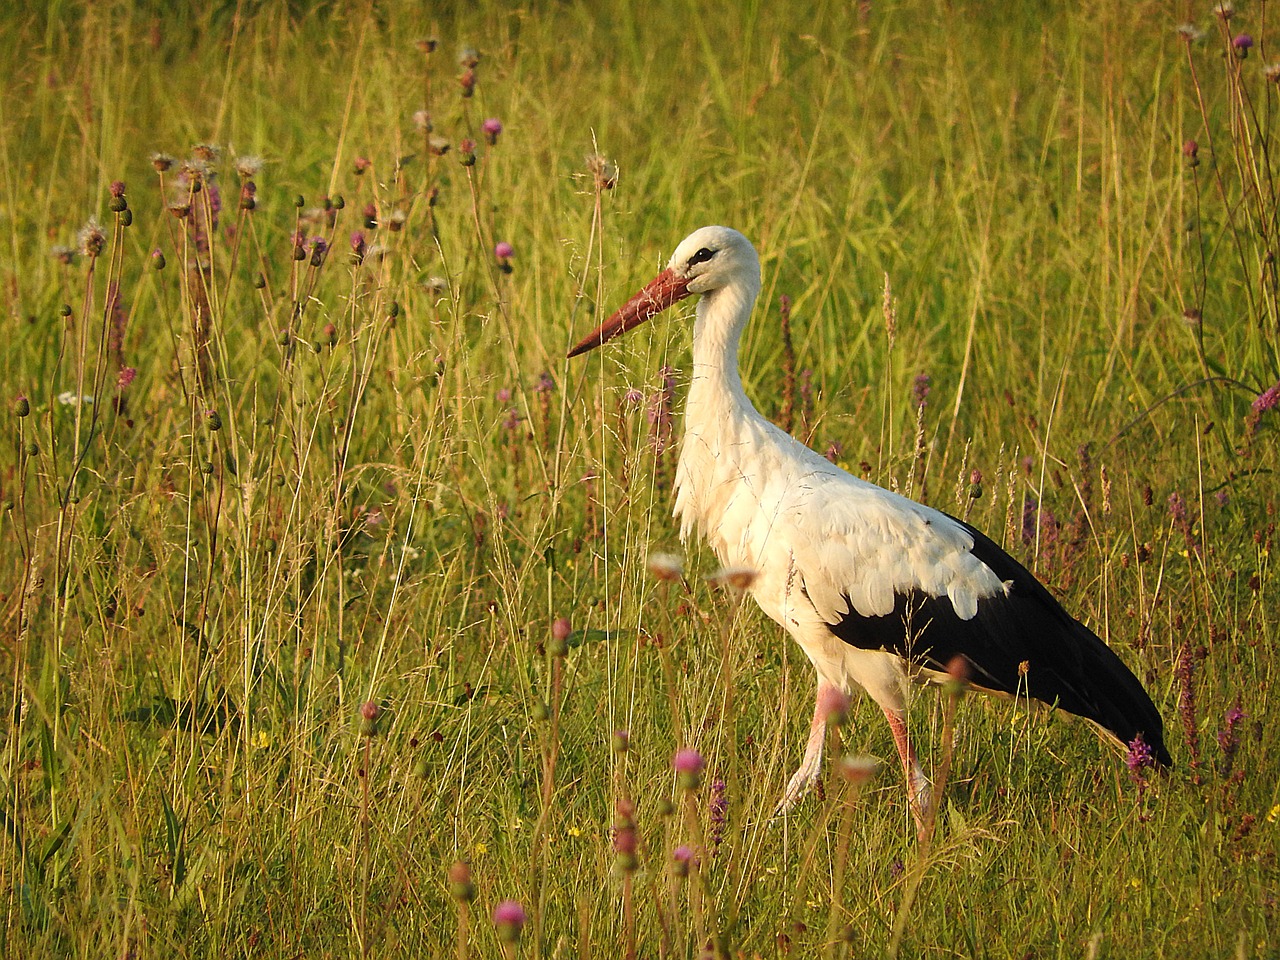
[(658, 294)]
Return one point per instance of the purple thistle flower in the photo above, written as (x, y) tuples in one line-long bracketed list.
[(688, 765), (503, 250), (509, 917), (504, 395), (1242, 44), (688, 760), (683, 859), (492, 128)]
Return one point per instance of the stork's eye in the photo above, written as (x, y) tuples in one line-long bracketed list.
[(702, 256)]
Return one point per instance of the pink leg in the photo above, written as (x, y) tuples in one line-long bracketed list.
[(811, 765), (919, 790)]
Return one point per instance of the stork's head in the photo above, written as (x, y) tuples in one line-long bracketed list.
[(708, 260)]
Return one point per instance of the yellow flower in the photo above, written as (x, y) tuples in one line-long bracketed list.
[(481, 849), (574, 832), (261, 739), (1274, 815)]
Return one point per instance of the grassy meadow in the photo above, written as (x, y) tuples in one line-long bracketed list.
[(325, 595)]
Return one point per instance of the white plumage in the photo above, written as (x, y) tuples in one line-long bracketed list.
[(855, 573)]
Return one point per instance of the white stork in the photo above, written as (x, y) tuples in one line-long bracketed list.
[(877, 589)]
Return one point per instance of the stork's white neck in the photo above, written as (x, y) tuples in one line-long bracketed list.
[(720, 423), (715, 389)]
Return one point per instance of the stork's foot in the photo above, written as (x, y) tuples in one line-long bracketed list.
[(798, 785), (920, 796)]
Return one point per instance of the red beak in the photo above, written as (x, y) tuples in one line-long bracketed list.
[(658, 294)]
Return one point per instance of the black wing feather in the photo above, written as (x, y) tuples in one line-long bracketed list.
[(1067, 664)]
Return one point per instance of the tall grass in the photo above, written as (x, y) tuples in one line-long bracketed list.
[(329, 623)]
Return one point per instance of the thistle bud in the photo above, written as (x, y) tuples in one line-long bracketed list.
[(460, 886), (370, 713)]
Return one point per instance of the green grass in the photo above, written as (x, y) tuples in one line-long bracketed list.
[(358, 490)]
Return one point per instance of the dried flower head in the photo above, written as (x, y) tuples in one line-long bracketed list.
[(248, 167), (1190, 32), (161, 161), (422, 120), (468, 58), (735, 578), (666, 566), (1225, 10), (603, 171), (208, 152), (858, 770), (1272, 72), (91, 239), (427, 45)]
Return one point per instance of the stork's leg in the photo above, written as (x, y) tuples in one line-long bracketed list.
[(919, 789), (811, 765)]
